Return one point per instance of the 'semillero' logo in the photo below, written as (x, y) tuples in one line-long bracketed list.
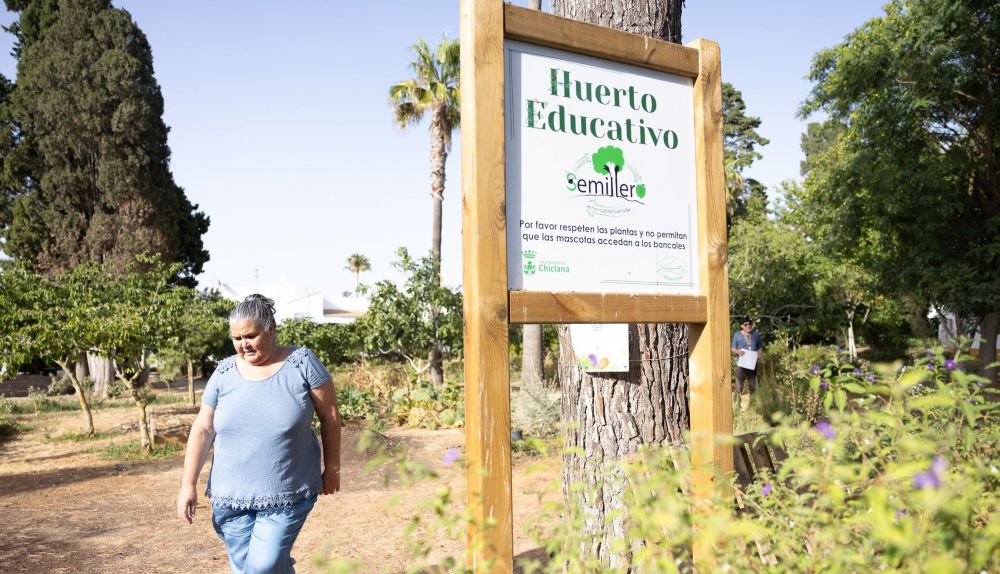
[(616, 181)]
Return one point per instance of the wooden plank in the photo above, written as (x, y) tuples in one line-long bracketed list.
[(761, 456), (544, 307), (741, 463), (487, 383), (711, 392), (563, 34)]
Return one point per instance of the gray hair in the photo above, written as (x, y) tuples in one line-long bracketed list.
[(257, 309)]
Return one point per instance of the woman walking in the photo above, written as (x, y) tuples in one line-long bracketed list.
[(257, 411)]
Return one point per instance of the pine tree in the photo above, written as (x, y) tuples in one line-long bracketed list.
[(86, 172)]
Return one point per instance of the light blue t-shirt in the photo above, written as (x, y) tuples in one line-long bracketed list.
[(266, 453)]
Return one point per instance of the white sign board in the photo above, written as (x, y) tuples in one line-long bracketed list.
[(600, 171), (601, 348)]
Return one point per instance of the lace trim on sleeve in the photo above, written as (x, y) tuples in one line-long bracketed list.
[(225, 364), (298, 357)]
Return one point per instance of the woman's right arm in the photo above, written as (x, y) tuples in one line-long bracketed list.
[(198, 444)]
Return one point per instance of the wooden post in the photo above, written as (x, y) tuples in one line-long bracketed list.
[(711, 394), (484, 255)]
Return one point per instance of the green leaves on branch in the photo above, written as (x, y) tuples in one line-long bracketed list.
[(400, 323)]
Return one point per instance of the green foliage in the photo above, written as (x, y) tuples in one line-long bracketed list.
[(10, 429), (357, 404), (421, 404), (60, 386), (908, 184), (536, 412), (608, 159), (85, 158), (433, 88), (904, 479), (740, 142), (401, 322), (357, 263), (333, 344), (133, 452), (197, 324), (84, 437), (771, 274)]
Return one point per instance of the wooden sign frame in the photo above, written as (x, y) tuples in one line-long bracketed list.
[(490, 308)]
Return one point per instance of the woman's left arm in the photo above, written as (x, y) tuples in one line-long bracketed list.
[(325, 399)]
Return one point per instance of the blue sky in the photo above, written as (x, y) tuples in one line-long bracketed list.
[(280, 129)]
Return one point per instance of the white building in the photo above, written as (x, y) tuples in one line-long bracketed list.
[(948, 327), (294, 302)]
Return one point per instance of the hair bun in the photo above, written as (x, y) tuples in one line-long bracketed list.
[(261, 299)]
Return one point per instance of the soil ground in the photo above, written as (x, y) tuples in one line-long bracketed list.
[(66, 509)]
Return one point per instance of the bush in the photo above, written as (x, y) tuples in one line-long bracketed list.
[(536, 412), (60, 385), (903, 478), (356, 404), (117, 389), (782, 385), (421, 404)]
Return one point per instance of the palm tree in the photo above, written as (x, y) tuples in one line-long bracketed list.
[(433, 89), (357, 263)]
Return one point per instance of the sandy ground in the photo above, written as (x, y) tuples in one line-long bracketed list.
[(66, 510)]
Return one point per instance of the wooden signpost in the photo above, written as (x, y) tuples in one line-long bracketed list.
[(649, 225)]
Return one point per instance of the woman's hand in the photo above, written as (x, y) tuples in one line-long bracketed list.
[(187, 499), (331, 480)]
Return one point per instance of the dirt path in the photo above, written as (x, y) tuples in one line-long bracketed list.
[(66, 510)]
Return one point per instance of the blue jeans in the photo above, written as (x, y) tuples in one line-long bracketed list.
[(260, 541)]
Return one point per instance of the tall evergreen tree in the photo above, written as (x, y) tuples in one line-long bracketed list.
[(86, 172), (740, 142)]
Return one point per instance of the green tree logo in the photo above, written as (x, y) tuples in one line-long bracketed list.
[(608, 160)]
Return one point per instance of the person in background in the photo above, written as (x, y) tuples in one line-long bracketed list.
[(266, 475), (746, 339)]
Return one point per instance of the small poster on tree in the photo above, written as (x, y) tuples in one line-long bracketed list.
[(601, 348)]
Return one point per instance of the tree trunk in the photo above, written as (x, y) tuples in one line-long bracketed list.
[(102, 372), (439, 155), (82, 372), (190, 375), (611, 417), (145, 438), (71, 370), (657, 18), (851, 347), (532, 357), (988, 328)]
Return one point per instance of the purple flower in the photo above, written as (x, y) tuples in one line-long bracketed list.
[(766, 489), (857, 372), (814, 370), (930, 366), (824, 384), (451, 455), (826, 429), (949, 364), (929, 354), (900, 513), (930, 478), (871, 378)]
